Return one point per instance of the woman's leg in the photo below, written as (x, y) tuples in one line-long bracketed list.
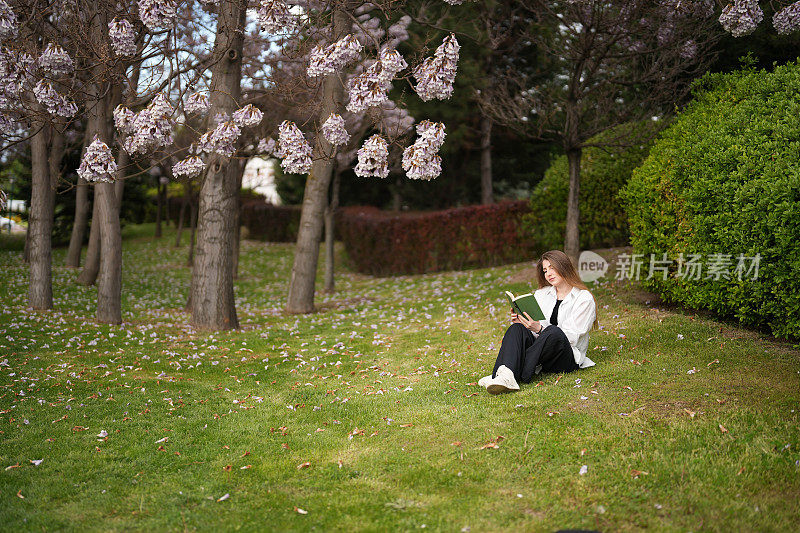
[(552, 350), (516, 341)]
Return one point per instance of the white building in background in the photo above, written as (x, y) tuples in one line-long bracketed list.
[(259, 175)]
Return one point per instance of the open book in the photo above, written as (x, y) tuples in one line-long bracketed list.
[(525, 303)]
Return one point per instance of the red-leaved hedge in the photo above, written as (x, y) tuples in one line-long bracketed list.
[(384, 244), (271, 223)]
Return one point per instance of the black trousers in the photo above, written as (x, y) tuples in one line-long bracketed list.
[(522, 352)]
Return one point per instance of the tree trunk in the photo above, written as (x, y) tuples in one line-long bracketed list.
[(193, 224), (487, 196), (158, 208), (397, 198), (91, 266), (306, 254), (181, 215), (78, 224), (212, 297), (237, 239), (40, 225), (571, 236), (109, 282), (330, 221)]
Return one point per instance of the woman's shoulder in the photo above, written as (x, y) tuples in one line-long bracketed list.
[(583, 294)]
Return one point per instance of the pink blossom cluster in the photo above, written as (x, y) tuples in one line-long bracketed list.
[(741, 17), (249, 115), (7, 125), (98, 162), (16, 70), (224, 138), (123, 38), (56, 60), (689, 49), (436, 75), (370, 87), (267, 146), (55, 103), (123, 119), (420, 160), (293, 148), (454, 2), (329, 59), (149, 129), (275, 16), (373, 158), (787, 19), (188, 168), (157, 14), (197, 103), (335, 131), (9, 26)]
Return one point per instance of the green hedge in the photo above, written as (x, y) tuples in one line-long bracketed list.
[(725, 178), (604, 171)]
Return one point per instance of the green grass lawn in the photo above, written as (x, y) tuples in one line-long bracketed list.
[(367, 416)]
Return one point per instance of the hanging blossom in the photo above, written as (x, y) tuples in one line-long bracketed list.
[(8, 21), (689, 49), (151, 127), (787, 19), (293, 148), (741, 17), (16, 70), (329, 59), (188, 168), (157, 14), (123, 38), (275, 16), (224, 137), (197, 103), (55, 103), (373, 158), (420, 160), (454, 2), (249, 115), (56, 60), (98, 163), (267, 146), (123, 119), (8, 126), (370, 87), (334, 130), (436, 75)]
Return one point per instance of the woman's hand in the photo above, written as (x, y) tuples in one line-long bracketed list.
[(526, 320)]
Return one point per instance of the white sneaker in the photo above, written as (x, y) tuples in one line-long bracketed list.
[(504, 381), (484, 381)]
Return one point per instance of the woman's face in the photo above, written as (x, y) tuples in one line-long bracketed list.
[(551, 274)]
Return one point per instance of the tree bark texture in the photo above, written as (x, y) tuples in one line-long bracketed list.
[(79, 224), (571, 236), (487, 195), (306, 254), (91, 266), (330, 231), (159, 208), (212, 298), (40, 225)]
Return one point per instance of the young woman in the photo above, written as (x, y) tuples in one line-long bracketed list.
[(557, 344)]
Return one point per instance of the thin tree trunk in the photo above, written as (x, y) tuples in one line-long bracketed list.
[(192, 239), (158, 209), (237, 239), (109, 282), (397, 199), (40, 225), (571, 236), (181, 215), (487, 195), (78, 224), (330, 227), (212, 297), (26, 250), (306, 254), (91, 265)]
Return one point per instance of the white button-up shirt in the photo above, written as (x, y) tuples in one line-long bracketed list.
[(576, 315)]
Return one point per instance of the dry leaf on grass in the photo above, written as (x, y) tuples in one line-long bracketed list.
[(303, 465)]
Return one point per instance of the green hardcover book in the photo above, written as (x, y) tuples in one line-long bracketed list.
[(525, 303)]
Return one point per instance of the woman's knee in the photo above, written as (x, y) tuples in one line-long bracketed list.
[(516, 329)]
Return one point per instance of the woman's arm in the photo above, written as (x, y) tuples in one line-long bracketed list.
[(580, 319)]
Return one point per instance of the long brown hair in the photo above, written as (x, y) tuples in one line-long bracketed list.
[(564, 267)]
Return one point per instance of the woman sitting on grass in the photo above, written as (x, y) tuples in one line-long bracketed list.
[(555, 345)]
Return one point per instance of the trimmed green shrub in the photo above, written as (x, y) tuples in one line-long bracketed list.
[(386, 244), (603, 221), (725, 179)]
